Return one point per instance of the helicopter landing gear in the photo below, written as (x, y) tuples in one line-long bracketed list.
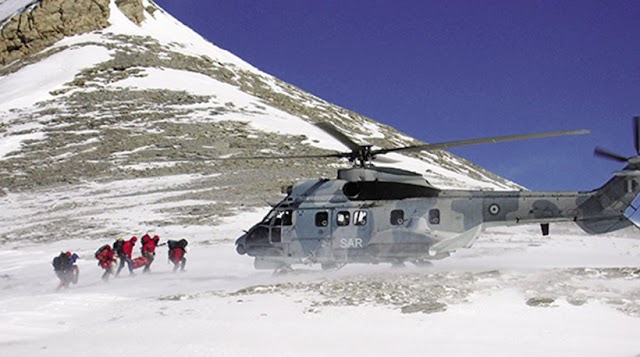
[(332, 266), (398, 264), (422, 263)]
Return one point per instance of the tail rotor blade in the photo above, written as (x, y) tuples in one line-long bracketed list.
[(636, 133), (609, 155)]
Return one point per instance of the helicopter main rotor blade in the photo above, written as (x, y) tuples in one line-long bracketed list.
[(337, 155), (491, 140), (338, 135), (384, 160), (609, 155)]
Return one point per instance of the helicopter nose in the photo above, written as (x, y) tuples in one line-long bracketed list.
[(240, 245)]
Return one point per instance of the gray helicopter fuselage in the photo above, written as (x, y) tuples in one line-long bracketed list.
[(373, 215)]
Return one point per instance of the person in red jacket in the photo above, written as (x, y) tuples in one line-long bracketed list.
[(145, 238), (125, 257), (148, 249), (177, 250), (106, 260)]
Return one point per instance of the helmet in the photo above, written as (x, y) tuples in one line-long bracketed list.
[(134, 239), (68, 254), (120, 239), (156, 237)]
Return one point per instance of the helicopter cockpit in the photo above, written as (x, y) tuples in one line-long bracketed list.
[(261, 236)]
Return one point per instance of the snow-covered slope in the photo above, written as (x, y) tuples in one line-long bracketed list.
[(46, 79), (156, 100)]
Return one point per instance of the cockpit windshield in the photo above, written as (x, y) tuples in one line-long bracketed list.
[(278, 216), (269, 217), (284, 217)]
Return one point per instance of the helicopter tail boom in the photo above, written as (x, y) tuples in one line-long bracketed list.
[(596, 212)]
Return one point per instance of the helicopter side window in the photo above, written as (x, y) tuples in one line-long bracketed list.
[(276, 235), (397, 217), (360, 218), (342, 218), (434, 216), (322, 219)]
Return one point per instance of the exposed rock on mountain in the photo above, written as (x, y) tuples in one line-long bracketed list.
[(47, 22), (133, 9)]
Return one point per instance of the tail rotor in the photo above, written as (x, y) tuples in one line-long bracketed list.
[(632, 160)]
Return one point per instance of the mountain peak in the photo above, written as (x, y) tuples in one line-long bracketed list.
[(123, 101)]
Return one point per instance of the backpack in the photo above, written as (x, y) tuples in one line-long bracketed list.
[(182, 243), (117, 247), (100, 250), (60, 262)]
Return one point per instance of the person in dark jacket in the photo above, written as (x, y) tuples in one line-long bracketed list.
[(65, 268), (125, 257), (117, 247), (177, 250)]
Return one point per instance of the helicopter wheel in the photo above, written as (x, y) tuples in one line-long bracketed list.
[(285, 269)]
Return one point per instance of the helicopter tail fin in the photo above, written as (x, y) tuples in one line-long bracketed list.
[(605, 210)]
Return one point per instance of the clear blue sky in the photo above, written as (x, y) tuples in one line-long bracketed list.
[(449, 70)]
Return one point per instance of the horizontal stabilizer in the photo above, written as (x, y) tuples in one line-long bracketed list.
[(627, 173), (604, 225)]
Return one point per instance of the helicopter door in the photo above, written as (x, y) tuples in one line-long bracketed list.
[(353, 229), (311, 232), (281, 227), (316, 224)]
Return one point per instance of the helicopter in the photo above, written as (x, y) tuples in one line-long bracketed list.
[(370, 214)]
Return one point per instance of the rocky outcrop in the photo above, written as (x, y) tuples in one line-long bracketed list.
[(49, 22), (132, 9)]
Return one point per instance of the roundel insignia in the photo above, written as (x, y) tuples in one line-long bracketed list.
[(494, 209)]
